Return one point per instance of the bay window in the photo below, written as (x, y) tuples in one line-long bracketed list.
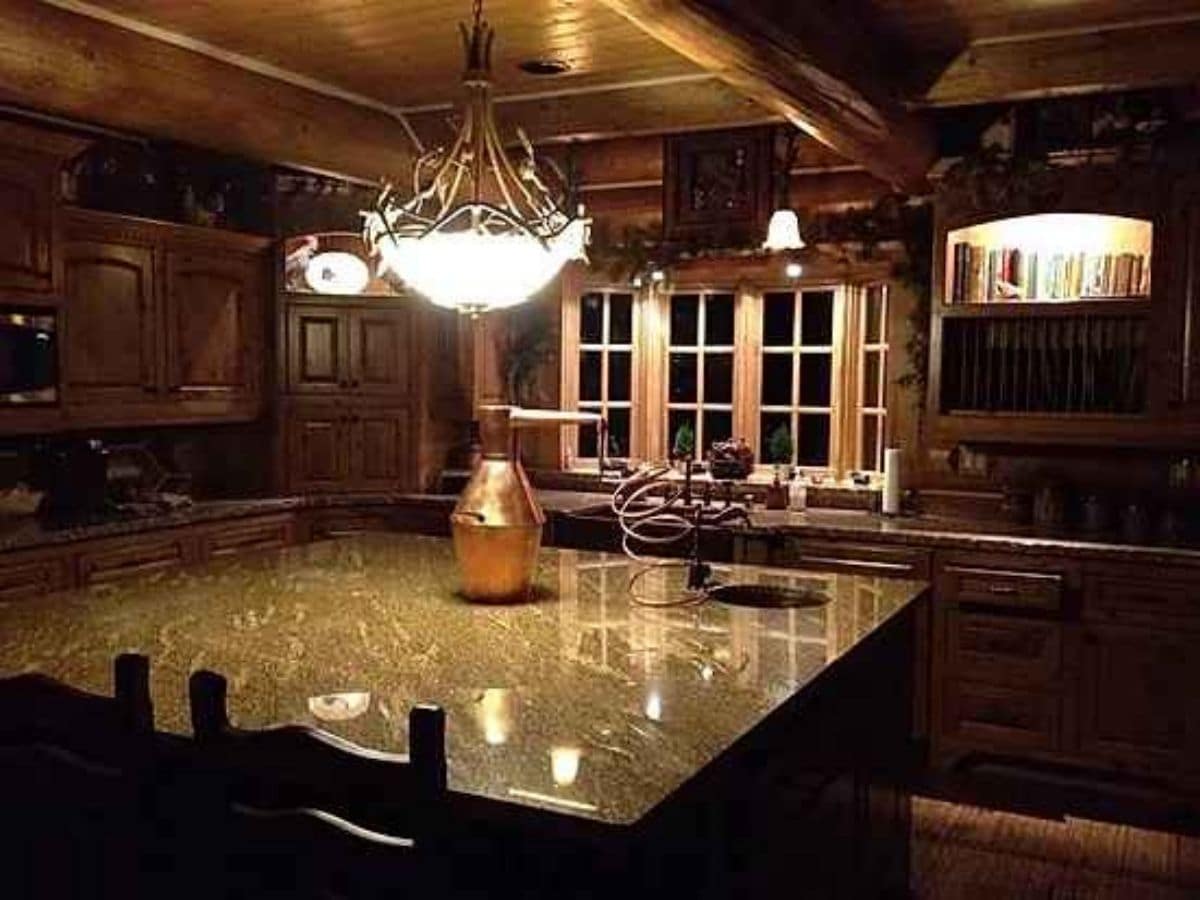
[(800, 372)]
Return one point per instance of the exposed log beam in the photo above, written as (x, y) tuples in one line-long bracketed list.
[(801, 62), (622, 111), (1047, 65), (76, 66)]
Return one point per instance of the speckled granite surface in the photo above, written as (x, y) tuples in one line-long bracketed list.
[(582, 702), (832, 524), (958, 534)]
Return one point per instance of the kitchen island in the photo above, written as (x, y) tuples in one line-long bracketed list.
[(700, 746)]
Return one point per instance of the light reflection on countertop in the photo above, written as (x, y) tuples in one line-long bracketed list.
[(582, 702)]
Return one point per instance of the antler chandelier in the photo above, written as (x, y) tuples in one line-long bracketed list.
[(479, 231)]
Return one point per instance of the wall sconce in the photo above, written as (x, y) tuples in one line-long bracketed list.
[(793, 270)]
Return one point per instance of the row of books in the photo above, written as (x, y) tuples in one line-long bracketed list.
[(981, 275)]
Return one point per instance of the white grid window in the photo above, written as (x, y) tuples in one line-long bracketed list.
[(606, 341), (797, 396), (872, 399), (700, 371)]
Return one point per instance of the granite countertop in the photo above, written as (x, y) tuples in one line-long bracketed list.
[(832, 524), (583, 702)]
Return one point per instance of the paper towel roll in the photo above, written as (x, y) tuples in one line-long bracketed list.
[(891, 482)]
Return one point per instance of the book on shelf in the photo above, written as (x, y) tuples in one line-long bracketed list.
[(1006, 274)]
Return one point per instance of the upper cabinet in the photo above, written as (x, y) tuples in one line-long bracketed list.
[(30, 163), (109, 322), (349, 350), (215, 316), (161, 323)]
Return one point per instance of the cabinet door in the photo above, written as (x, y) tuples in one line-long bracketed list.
[(215, 310), (318, 350), (1138, 690), (380, 352), (380, 448), (318, 450), (26, 240), (110, 349)]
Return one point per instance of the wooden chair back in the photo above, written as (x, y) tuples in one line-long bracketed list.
[(298, 767), (38, 710), (71, 770), (304, 853)]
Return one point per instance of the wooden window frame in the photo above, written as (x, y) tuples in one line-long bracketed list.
[(700, 350), (651, 349)]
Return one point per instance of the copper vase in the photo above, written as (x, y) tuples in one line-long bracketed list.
[(497, 523)]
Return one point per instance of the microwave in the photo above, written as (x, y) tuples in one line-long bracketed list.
[(28, 357)]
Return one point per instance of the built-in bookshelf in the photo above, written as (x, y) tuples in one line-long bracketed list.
[(1049, 258)]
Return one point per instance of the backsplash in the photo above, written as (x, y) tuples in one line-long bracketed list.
[(214, 461)]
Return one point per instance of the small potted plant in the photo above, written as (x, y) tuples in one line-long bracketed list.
[(683, 447), (779, 452)]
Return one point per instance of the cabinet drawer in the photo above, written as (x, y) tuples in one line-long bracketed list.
[(1141, 600), (27, 576), (136, 557), (243, 537), (996, 718), (1001, 587), (859, 559), (1001, 648)]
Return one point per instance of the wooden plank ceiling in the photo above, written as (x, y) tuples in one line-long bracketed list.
[(339, 71)]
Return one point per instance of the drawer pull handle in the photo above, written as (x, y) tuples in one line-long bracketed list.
[(1006, 590)]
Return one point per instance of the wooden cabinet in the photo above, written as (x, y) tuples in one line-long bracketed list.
[(110, 346), (836, 556), (31, 573), (318, 350), (27, 238), (103, 560), (30, 162), (214, 314), (1004, 667), (1138, 697), (160, 323), (349, 351), (242, 536), (334, 448), (318, 452), (122, 558)]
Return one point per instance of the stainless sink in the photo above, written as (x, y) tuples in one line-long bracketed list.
[(764, 596)]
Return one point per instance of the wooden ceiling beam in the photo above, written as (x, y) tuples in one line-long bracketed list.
[(801, 62), (1106, 59), (84, 69)]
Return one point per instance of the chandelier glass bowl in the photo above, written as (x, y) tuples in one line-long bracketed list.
[(479, 231)]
